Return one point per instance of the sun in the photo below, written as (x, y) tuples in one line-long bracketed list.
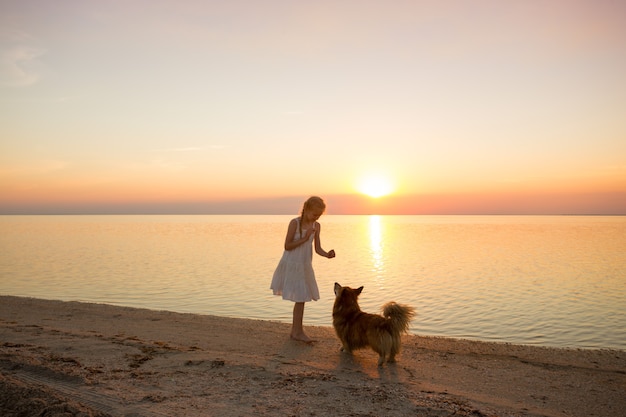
[(375, 185)]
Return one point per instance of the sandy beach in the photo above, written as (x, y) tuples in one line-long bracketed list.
[(68, 358)]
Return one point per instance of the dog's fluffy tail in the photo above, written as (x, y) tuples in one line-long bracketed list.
[(400, 316)]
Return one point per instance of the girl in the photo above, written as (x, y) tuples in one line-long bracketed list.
[(294, 278)]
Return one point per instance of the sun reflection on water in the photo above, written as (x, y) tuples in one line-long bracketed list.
[(376, 247)]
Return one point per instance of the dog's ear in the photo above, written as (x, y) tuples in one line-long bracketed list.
[(337, 289), (358, 290)]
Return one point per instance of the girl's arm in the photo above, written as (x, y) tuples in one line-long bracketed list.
[(318, 244), (290, 244)]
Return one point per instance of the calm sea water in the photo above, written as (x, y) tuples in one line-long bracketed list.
[(539, 280)]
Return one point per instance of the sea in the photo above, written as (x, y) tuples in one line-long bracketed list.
[(557, 281)]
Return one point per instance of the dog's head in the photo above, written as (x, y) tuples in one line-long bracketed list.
[(347, 294)]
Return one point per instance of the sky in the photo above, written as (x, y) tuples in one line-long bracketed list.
[(246, 106)]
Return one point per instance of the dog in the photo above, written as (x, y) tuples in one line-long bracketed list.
[(357, 329)]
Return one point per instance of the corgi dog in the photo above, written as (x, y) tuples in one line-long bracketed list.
[(357, 329)]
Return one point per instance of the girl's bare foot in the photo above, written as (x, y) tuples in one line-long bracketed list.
[(302, 337)]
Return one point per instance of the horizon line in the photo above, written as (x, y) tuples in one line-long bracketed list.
[(538, 203)]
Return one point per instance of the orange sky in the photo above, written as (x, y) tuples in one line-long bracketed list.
[(482, 107)]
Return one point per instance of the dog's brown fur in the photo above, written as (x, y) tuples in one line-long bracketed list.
[(357, 329)]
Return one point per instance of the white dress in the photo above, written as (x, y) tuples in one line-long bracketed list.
[(294, 278)]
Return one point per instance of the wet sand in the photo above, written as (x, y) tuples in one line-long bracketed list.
[(68, 358)]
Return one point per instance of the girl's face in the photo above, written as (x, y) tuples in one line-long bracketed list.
[(313, 214)]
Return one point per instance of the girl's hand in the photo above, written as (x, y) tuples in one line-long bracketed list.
[(331, 254)]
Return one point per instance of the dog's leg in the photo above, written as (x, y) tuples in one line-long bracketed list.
[(381, 360), (384, 347), (395, 349)]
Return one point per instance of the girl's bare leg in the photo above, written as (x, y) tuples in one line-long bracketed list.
[(297, 332)]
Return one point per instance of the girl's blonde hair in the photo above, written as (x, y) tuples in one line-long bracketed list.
[(311, 202)]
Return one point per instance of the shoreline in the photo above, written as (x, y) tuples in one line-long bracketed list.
[(100, 359)]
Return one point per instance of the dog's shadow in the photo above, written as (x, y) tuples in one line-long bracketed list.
[(360, 363)]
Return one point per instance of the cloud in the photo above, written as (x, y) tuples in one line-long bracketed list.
[(35, 168), (190, 148), (187, 149), (165, 165), (19, 66)]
